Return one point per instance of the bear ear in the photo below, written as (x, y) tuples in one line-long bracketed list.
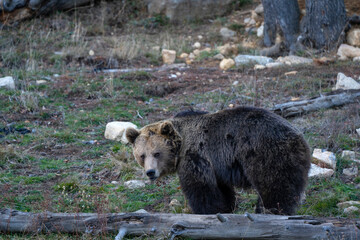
[(132, 134), (167, 128)]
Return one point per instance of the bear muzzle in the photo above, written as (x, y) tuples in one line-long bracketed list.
[(152, 174)]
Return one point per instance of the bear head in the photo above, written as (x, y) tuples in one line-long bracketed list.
[(156, 148)]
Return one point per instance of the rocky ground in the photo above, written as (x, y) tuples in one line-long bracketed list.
[(53, 153)]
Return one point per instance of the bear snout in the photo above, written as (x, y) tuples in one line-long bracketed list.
[(151, 173)]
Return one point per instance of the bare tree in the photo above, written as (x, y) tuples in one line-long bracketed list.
[(321, 27)]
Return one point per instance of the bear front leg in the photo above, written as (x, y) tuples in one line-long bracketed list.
[(205, 194)]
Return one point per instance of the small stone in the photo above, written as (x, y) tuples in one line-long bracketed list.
[(40, 82), (196, 52), (235, 83), (231, 105), (260, 31), (178, 74), (290, 73), (356, 59), (218, 56), (197, 45), (259, 67), (351, 209), (227, 33), (141, 211), (200, 37), (348, 154), (325, 157), (116, 130), (174, 202), (294, 60), (7, 82), (344, 82), (259, 9), (252, 22), (316, 171), (347, 204), (91, 53), (247, 20), (350, 172), (114, 182), (346, 51), (133, 184), (168, 56), (228, 49), (227, 63), (274, 65), (191, 56), (184, 55), (248, 59), (353, 37), (358, 131)]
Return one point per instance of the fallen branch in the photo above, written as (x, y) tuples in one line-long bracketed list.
[(220, 226), (334, 99)]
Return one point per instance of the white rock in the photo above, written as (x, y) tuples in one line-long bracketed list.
[(274, 65), (197, 45), (344, 82), (235, 83), (7, 82), (141, 211), (347, 204), (259, 9), (39, 82), (184, 55), (294, 60), (227, 33), (191, 56), (133, 184), (259, 67), (116, 130), (351, 209), (252, 22), (353, 37), (247, 59), (114, 182), (168, 56), (350, 172), (316, 171), (91, 52), (174, 203), (348, 154), (326, 157), (200, 37), (228, 49), (358, 131), (196, 52), (346, 51), (247, 20), (218, 56), (227, 63), (356, 59), (260, 31)]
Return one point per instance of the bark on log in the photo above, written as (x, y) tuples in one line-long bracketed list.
[(284, 14), (324, 23), (334, 99), (13, 11), (225, 226)]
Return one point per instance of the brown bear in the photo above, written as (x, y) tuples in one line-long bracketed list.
[(213, 153)]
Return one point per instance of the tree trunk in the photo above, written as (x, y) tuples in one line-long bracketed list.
[(337, 99), (284, 14), (220, 226), (324, 23), (13, 11)]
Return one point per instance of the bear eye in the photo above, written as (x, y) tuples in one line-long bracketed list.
[(142, 157), (157, 154)]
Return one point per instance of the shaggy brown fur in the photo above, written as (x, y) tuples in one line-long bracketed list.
[(213, 153)]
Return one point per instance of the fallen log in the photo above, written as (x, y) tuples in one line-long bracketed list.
[(220, 226), (331, 100)]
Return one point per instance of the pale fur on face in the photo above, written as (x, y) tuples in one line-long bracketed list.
[(153, 152)]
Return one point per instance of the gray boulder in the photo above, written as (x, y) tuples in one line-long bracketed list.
[(247, 59)]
